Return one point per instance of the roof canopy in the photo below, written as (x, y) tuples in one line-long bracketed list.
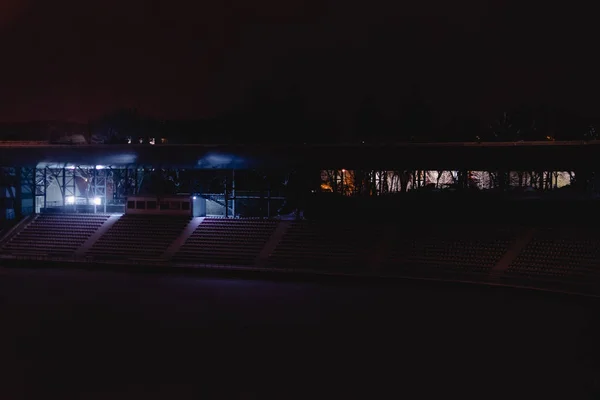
[(444, 156)]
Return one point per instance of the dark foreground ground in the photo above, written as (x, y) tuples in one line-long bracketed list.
[(106, 335)]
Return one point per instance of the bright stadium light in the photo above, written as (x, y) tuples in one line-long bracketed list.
[(194, 198), (97, 201), (100, 167), (70, 199)]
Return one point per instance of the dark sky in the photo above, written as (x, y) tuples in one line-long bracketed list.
[(73, 59)]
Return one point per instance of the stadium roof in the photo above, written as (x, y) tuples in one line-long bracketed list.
[(441, 156)]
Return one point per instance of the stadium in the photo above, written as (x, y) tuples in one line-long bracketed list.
[(298, 200), (517, 214)]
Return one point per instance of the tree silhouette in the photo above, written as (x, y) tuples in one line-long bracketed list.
[(504, 129), (591, 133), (119, 124)]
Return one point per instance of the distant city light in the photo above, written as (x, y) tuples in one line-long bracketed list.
[(152, 141)]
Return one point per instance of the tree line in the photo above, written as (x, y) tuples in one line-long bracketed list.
[(287, 121)]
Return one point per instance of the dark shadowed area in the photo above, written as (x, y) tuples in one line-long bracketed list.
[(93, 335), (69, 60)]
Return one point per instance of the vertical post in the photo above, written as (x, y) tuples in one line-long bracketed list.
[(64, 186), (233, 192), (4, 188), (126, 186), (107, 173), (34, 190), (226, 184), (95, 181), (45, 185), (74, 190), (18, 205), (28, 188)]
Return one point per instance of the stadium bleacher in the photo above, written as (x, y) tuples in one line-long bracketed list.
[(550, 253), (560, 252), (139, 236), (54, 234), (463, 248), (226, 241), (327, 245)]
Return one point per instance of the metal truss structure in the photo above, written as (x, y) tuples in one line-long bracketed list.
[(104, 189), (253, 189), (24, 191)]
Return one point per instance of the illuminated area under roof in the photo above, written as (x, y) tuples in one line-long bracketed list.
[(72, 200)]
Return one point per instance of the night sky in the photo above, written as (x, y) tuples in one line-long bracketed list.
[(75, 60)]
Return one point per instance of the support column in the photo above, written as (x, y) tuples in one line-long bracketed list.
[(68, 188), (233, 192), (99, 188), (27, 179), (8, 192), (94, 176), (226, 197), (4, 188), (18, 202), (34, 191), (45, 187), (41, 184), (64, 186), (126, 187), (140, 181), (74, 186)]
